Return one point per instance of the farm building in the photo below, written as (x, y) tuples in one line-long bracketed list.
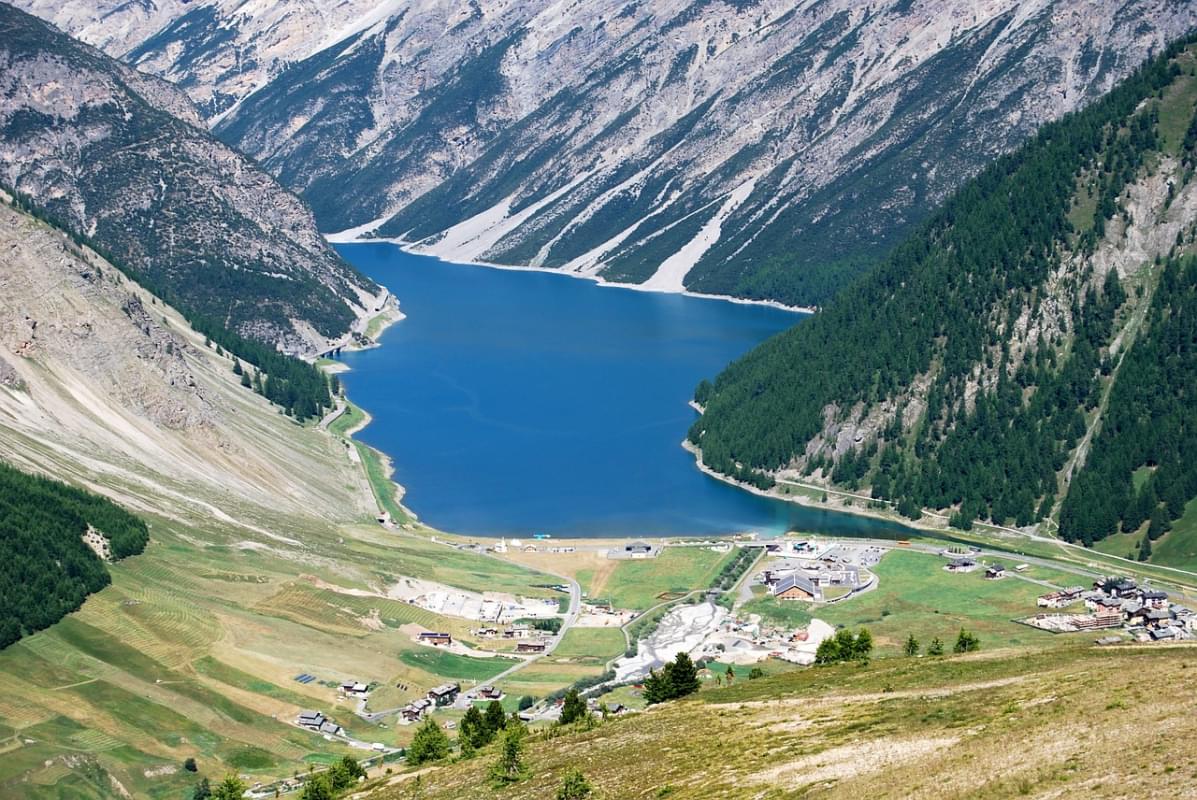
[(796, 586)]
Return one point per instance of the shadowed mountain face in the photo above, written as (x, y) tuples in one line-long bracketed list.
[(763, 149), (1026, 357), (122, 160)]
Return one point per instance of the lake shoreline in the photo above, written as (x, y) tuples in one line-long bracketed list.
[(806, 502), (413, 249)]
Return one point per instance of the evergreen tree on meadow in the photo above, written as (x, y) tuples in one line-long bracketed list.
[(317, 787), (574, 786), (231, 788), (911, 648), (684, 676), (845, 646), (966, 642), (429, 744), (657, 689), (494, 718), (509, 767), (935, 648), (573, 708), (472, 732)]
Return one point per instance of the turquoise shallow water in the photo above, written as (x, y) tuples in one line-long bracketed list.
[(520, 402)]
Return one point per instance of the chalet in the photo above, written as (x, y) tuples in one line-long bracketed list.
[(1157, 618), (487, 633), (961, 565), (1117, 587), (354, 688), (435, 639), (311, 719), (796, 586), (530, 647), (331, 728), (1100, 601), (490, 693), (994, 572), (415, 710), (1164, 634), (444, 694), (1154, 598)]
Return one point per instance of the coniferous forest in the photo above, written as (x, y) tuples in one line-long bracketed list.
[(974, 420), (46, 569)]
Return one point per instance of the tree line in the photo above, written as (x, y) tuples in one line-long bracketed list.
[(46, 570)]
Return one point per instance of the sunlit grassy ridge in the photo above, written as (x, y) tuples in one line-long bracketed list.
[(988, 725)]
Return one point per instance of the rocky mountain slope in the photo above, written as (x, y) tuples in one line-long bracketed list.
[(104, 385), (1026, 357), (752, 147), (121, 160)]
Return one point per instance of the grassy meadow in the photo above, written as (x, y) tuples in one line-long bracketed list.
[(916, 596)]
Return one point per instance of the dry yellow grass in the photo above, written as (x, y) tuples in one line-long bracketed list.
[(1077, 722)]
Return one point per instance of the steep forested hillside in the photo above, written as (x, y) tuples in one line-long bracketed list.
[(972, 369), (46, 569), (116, 157), (762, 148)]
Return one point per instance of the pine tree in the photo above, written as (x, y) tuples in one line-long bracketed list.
[(472, 730), (318, 787), (573, 708), (510, 768), (494, 718), (684, 676), (912, 646), (231, 788), (966, 642), (655, 688), (935, 648), (429, 744), (574, 786)]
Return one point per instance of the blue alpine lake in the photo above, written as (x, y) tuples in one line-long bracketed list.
[(520, 402)]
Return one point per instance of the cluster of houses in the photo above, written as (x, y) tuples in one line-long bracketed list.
[(1144, 612), (437, 697), (317, 722)]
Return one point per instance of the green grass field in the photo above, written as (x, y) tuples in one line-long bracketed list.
[(639, 584), (451, 665), (916, 596), (591, 644), (384, 488), (1178, 547), (349, 419)]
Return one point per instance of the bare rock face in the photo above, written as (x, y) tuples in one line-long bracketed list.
[(763, 148), (69, 311), (114, 157)]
